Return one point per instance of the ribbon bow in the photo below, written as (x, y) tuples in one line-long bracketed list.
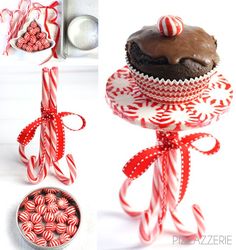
[(139, 163), (165, 182), (52, 145)]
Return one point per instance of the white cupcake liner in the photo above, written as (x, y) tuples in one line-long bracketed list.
[(170, 91)]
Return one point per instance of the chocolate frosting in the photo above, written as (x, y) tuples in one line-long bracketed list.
[(193, 43)]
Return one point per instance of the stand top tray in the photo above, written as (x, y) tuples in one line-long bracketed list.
[(126, 101)]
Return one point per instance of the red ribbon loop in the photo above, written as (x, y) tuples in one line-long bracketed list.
[(49, 115), (139, 163)]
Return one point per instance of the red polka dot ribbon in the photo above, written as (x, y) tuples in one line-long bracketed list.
[(49, 115), (166, 183)]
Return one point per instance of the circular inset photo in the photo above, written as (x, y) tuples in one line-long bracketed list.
[(48, 218)]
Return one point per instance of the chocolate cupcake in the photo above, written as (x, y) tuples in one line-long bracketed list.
[(172, 52)]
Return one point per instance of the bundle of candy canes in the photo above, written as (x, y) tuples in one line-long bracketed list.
[(52, 135), (17, 18), (167, 190)]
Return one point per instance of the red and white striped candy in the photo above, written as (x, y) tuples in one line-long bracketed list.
[(170, 26), (41, 35), (61, 228), (49, 217), (62, 203), (35, 193), (71, 230), (19, 45), (51, 226), (50, 190), (35, 47), (50, 197), (30, 206), (61, 217), (73, 220), (24, 46), (29, 29), (39, 228), (27, 36), (48, 235), (71, 210), (41, 242), (39, 200), (27, 226), (47, 45), (52, 207), (35, 218), (29, 48), (33, 39), (37, 30), (41, 209), (44, 41), (31, 236), (24, 216), (33, 24), (21, 40), (54, 243), (64, 238)]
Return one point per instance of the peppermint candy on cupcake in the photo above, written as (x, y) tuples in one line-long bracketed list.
[(24, 216), (41, 242), (73, 220), (49, 217), (50, 197), (39, 228), (61, 228), (51, 226), (48, 235), (62, 203), (54, 243), (41, 209), (61, 217), (71, 230), (31, 236), (170, 26), (71, 210), (39, 200), (64, 238), (52, 207), (30, 206), (27, 226), (35, 218)]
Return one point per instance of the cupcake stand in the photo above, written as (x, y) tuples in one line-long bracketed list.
[(167, 119)]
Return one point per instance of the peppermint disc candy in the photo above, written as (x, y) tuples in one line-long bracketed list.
[(48, 217), (170, 26)]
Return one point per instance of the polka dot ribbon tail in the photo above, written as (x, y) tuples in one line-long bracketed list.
[(52, 135), (167, 190)]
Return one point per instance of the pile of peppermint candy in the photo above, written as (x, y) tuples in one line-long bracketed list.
[(33, 39), (48, 217)]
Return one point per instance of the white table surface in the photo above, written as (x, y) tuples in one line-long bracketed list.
[(20, 104)]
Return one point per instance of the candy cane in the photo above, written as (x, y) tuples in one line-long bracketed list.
[(43, 160), (53, 135), (173, 183), (124, 204)]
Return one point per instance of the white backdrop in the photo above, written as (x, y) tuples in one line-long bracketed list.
[(212, 180)]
